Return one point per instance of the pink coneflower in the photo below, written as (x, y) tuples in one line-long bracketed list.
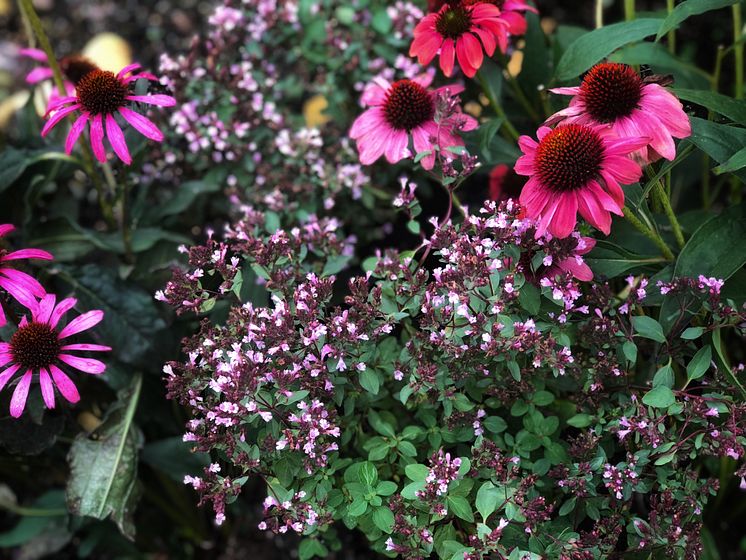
[(24, 288), (575, 168), (575, 264), (460, 31), (511, 11), (100, 95), (38, 347), (615, 95), (403, 109)]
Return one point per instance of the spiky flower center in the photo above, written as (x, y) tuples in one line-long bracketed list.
[(568, 157), (611, 90), (76, 68), (101, 92), (408, 105), (454, 21), (498, 3), (35, 345)]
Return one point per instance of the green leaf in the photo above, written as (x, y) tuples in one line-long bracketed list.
[(733, 109), (734, 163), (724, 365), (103, 467), (687, 9), (592, 47), (719, 141), (629, 349), (370, 381), (335, 264), (664, 376), (460, 507), (647, 327), (310, 548), (416, 473), (659, 397), (381, 21), (131, 320), (692, 333), (580, 420), (700, 363), (530, 298), (368, 474), (383, 519), (174, 457), (30, 526), (487, 497), (568, 506), (386, 488), (184, 196), (542, 398)]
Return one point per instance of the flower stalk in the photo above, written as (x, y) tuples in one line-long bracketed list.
[(648, 232)]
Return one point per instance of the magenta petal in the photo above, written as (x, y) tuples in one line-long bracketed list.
[(116, 139), (88, 365), (57, 117), (127, 69), (87, 347), (3, 319), (447, 55), (35, 54), (5, 229), (47, 389), (19, 293), (62, 307), (64, 384), (38, 74), (28, 254), (25, 281), (56, 102), (18, 400), (97, 138), (43, 311), (75, 131), (143, 125), (5, 359), (82, 323), (566, 216), (7, 374), (156, 99)]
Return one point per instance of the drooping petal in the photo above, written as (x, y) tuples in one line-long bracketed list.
[(396, 148), (82, 323), (39, 74), (469, 48), (593, 213), (368, 121), (64, 384), (88, 365), (425, 46), (35, 54), (7, 374), (142, 124), (28, 254), (447, 57), (566, 217), (97, 138), (18, 400), (43, 311), (47, 389), (57, 117), (158, 99), (117, 141), (5, 229), (127, 69), (58, 101), (25, 281), (75, 131), (21, 294)]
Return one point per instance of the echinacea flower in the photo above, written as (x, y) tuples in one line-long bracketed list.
[(575, 264), (402, 109), (99, 96), (633, 107), (575, 168), (460, 31), (24, 288), (39, 347), (511, 11)]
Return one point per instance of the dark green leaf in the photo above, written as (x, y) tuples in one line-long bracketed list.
[(734, 163), (660, 397), (731, 108), (687, 9), (383, 519), (700, 363), (460, 507), (592, 47), (647, 327)]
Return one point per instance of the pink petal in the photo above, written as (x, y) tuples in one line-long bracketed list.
[(88, 365), (87, 347), (5, 358), (373, 94), (57, 102), (370, 120), (82, 323), (566, 217), (18, 400), (47, 389), (566, 90), (463, 59), (550, 208), (140, 76), (35, 54), (156, 99), (44, 309), (447, 55), (471, 50), (127, 69), (75, 131), (20, 290), (38, 74), (422, 143), (97, 138), (5, 229), (604, 198), (62, 307), (3, 319), (7, 374), (141, 124), (425, 46), (64, 384), (593, 213), (396, 148), (116, 139), (57, 117), (488, 40), (28, 254)]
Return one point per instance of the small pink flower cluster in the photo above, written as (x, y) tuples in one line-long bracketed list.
[(443, 471), (40, 346), (290, 514)]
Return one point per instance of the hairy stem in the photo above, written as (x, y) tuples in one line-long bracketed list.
[(649, 233), (507, 125), (738, 49)]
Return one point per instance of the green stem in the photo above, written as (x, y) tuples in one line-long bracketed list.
[(649, 233), (670, 214), (507, 125), (670, 5), (738, 49), (599, 13), (629, 10)]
